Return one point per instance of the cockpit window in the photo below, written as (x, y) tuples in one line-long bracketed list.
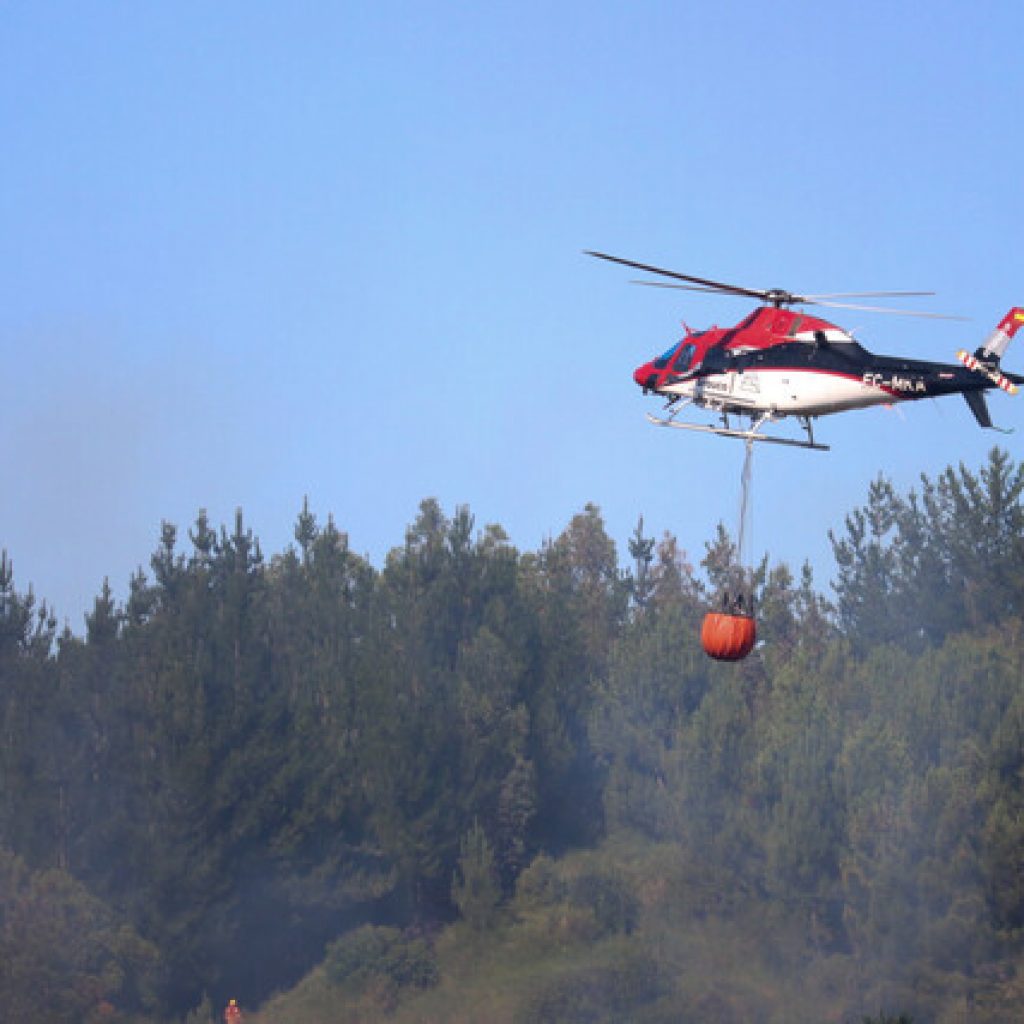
[(662, 361), (683, 358)]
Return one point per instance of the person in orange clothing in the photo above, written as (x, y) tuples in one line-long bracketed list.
[(232, 1014)]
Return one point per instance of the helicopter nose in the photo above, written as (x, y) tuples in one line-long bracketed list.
[(645, 377)]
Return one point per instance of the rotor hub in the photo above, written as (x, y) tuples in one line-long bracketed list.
[(779, 297)]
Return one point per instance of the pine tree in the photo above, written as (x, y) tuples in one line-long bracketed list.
[(305, 530), (475, 888), (517, 805), (641, 550), (869, 604)]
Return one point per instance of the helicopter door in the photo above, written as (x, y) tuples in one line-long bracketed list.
[(719, 385)]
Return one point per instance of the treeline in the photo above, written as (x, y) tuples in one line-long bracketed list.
[(250, 758)]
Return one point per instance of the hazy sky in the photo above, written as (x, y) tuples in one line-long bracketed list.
[(252, 252)]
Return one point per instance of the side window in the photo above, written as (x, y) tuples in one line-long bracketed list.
[(683, 358)]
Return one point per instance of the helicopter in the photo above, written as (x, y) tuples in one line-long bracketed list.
[(778, 362)]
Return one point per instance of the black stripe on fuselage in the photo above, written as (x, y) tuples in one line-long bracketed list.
[(848, 359)]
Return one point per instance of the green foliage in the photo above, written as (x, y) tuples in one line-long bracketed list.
[(252, 750), (641, 550), (541, 884), (600, 994), (370, 952), (475, 888), (202, 1013), (608, 897), (65, 955), (914, 569)]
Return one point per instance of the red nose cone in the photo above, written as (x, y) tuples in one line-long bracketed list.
[(642, 373)]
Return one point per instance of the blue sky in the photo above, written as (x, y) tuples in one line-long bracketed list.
[(257, 251)]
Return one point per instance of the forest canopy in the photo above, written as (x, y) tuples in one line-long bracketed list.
[(255, 763)]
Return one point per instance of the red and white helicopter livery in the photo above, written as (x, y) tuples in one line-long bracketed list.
[(778, 362)]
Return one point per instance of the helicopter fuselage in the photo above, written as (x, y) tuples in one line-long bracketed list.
[(785, 363)]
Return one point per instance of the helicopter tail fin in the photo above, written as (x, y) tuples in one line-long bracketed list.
[(976, 403), (994, 346)]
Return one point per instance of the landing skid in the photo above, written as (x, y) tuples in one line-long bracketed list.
[(746, 435)]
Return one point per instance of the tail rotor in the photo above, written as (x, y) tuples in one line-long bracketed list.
[(986, 359)]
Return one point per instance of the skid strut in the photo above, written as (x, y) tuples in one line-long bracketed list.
[(726, 430)]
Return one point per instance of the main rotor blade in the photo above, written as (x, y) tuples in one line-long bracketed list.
[(691, 287), (883, 309), (775, 296), (711, 285), (861, 295)]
